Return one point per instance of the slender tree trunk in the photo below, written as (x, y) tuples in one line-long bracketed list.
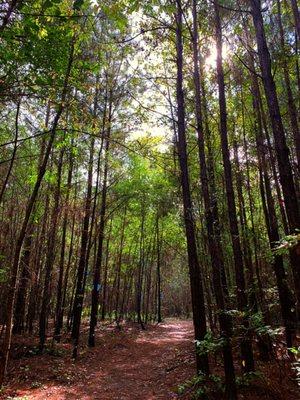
[(140, 271), (198, 304), (287, 303), (273, 164), (296, 13), (12, 160), (50, 256), (291, 103), (258, 283), (99, 257), (282, 151), (264, 344), (19, 317), (158, 263), (67, 274), (119, 265), (216, 261), (212, 181), (59, 310), (244, 229), (246, 344), (37, 262), (79, 292), (104, 292)]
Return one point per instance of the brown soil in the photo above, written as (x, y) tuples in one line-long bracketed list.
[(127, 364)]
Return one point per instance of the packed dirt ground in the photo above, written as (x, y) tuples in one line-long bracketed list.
[(128, 364)]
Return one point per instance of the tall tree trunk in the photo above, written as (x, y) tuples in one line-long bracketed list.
[(287, 303), (212, 180), (105, 273), (264, 344), (37, 262), (59, 297), (19, 317), (119, 265), (198, 304), (79, 292), (13, 153), (99, 257), (216, 261), (272, 161), (140, 271), (67, 273), (282, 151), (258, 283), (246, 344), (291, 103), (50, 258), (158, 269), (296, 13)]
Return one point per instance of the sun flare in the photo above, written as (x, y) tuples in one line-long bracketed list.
[(211, 59)]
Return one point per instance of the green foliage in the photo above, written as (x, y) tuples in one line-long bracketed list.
[(247, 379), (257, 324), (192, 383), (296, 364), (3, 270), (210, 344), (200, 386), (78, 4), (123, 81), (286, 243)]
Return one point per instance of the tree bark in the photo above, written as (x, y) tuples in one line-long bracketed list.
[(282, 151), (198, 304), (50, 258), (99, 257), (246, 344), (19, 317), (287, 303), (13, 153), (290, 99), (211, 225), (158, 270), (79, 293), (59, 297), (296, 17)]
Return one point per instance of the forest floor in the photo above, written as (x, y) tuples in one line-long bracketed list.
[(126, 364)]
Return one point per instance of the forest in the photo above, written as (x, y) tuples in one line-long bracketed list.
[(149, 199)]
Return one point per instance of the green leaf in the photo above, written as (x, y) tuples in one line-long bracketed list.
[(77, 4)]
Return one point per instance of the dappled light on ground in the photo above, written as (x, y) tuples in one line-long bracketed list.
[(130, 364)]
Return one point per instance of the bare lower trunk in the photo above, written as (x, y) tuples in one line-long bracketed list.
[(198, 304), (246, 344)]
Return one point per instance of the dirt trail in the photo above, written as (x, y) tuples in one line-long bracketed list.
[(128, 365)]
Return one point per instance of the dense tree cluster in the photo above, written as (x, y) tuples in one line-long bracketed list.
[(149, 158)]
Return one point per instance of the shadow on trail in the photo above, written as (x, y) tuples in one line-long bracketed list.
[(139, 366)]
